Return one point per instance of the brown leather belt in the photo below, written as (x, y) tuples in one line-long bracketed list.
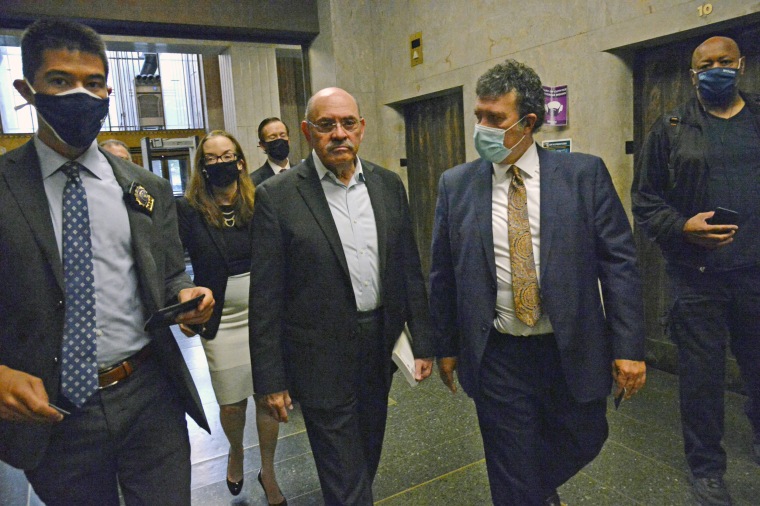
[(118, 372)]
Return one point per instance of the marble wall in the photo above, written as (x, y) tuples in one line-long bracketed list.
[(363, 46)]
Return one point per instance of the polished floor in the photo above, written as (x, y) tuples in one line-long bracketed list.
[(433, 454)]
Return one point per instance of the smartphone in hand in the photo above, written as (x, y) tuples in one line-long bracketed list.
[(619, 397), (724, 216)]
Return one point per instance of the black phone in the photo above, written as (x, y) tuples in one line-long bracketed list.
[(165, 317), (619, 397), (724, 216)]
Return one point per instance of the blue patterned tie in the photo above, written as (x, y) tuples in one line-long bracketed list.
[(79, 368)]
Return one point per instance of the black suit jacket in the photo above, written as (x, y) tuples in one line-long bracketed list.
[(32, 290), (208, 254), (261, 174), (302, 308)]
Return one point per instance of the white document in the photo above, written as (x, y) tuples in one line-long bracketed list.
[(403, 356)]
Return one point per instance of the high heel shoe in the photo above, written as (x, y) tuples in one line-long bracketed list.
[(234, 486), (284, 501)]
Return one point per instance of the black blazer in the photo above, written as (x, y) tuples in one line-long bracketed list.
[(208, 254), (32, 290), (261, 174), (302, 310)]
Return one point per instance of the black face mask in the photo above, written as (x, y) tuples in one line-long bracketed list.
[(278, 149), (75, 118), (222, 174)]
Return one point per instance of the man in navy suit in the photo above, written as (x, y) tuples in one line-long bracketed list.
[(520, 316)]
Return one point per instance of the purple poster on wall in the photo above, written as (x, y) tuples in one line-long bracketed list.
[(555, 98)]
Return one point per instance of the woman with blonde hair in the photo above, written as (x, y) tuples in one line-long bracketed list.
[(214, 219)]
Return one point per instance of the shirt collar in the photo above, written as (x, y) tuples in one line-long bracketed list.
[(276, 168), (528, 163), (50, 160), (322, 170)]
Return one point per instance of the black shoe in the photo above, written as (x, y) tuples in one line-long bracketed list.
[(284, 501), (710, 491), (554, 500), (234, 486)]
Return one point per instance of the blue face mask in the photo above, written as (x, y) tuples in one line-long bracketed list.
[(490, 142), (717, 86)]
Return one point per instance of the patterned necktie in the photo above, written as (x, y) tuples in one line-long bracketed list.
[(524, 279), (79, 367)]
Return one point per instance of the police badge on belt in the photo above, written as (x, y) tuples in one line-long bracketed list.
[(139, 198)]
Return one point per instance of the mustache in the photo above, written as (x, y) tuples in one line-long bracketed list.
[(341, 144)]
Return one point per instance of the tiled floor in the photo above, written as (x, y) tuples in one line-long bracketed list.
[(433, 453)]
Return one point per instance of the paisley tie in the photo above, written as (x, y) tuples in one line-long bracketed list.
[(524, 279)]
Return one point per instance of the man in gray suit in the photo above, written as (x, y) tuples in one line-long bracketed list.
[(90, 402), (335, 275)]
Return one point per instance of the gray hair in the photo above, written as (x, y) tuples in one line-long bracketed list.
[(114, 142), (518, 77)]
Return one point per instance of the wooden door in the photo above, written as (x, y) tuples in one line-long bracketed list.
[(434, 142), (661, 82)]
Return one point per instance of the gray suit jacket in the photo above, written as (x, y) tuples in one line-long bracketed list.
[(302, 307), (586, 244), (32, 289)]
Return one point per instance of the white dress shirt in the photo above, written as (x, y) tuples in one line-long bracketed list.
[(506, 321)]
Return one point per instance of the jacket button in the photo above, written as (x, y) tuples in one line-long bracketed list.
[(55, 359), (59, 305), (702, 269)]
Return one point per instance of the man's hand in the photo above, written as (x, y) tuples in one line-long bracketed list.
[(422, 368), (629, 374), (189, 332), (200, 314), (23, 398), (446, 368), (279, 403), (698, 231)]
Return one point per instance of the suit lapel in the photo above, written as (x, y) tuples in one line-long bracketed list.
[(377, 191), (549, 219), (311, 191), (24, 179), (140, 225), (482, 187)]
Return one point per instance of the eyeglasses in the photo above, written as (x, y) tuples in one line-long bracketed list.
[(214, 159), (326, 126)]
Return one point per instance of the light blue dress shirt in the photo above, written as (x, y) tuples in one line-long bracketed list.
[(354, 218), (119, 312)]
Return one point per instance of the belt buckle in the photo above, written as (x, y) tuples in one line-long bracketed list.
[(106, 371), (109, 385)]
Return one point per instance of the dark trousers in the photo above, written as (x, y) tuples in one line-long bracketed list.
[(535, 435), (133, 433), (710, 312), (347, 440)]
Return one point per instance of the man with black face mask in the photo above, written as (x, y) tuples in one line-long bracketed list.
[(700, 158), (274, 140), (90, 401)]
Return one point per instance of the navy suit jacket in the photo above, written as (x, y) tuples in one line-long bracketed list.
[(32, 289), (302, 310), (586, 243)]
